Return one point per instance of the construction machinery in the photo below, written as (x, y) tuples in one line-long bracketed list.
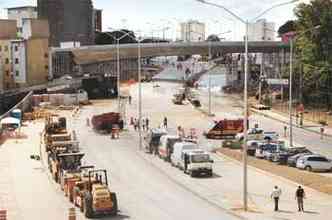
[(106, 121), (63, 158), (93, 196)]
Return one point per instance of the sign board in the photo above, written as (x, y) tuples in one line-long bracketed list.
[(277, 81)]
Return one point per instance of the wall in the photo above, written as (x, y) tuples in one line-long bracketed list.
[(35, 28), (37, 59), (6, 59), (18, 50), (261, 31), (8, 29)]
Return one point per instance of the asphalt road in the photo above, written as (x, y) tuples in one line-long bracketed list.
[(144, 192)]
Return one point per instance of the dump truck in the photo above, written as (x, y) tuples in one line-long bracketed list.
[(93, 196), (106, 121), (225, 128)]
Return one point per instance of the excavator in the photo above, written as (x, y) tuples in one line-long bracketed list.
[(93, 196)]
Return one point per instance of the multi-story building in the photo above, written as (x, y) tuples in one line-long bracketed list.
[(69, 21), (97, 20), (261, 30), (192, 31), (20, 13), (7, 33)]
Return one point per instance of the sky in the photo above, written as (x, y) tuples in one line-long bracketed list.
[(150, 16)]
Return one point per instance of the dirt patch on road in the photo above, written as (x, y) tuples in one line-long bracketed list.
[(312, 180)]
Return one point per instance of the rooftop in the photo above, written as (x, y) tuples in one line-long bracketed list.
[(22, 7)]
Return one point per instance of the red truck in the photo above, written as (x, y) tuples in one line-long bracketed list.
[(225, 128), (106, 121)]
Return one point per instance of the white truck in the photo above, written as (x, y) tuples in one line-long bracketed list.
[(192, 160)]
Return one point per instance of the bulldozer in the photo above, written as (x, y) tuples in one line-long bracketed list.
[(93, 196)]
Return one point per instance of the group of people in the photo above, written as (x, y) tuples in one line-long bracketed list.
[(145, 124), (299, 196)]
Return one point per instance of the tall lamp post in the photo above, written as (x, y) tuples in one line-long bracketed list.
[(139, 56), (246, 23), (125, 34)]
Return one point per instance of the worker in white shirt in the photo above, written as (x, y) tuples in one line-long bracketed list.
[(275, 195)]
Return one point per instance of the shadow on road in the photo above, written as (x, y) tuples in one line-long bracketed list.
[(311, 212)]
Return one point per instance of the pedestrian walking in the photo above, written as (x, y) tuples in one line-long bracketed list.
[(299, 196), (135, 124), (321, 133), (165, 122), (275, 195), (143, 124), (129, 99), (147, 122)]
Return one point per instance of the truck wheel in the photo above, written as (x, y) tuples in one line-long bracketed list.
[(192, 174), (88, 212), (115, 204)]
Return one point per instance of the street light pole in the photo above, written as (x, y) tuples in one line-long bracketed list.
[(246, 120), (118, 71), (245, 136), (290, 93), (260, 80), (139, 96), (209, 76)]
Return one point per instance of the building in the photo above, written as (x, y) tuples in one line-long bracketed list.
[(261, 30), (97, 20), (20, 13), (192, 31), (69, 21), (7, 33)]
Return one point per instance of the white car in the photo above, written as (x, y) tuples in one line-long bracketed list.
[(314, 162)]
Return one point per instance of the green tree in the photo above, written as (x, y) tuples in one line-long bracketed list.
[(313, 49), (287, 27)]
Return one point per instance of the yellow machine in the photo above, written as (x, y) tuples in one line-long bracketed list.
[(93, 195)]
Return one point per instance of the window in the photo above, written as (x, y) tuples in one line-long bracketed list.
[(46, 67), (7, 61), (16, 48), (16, 61), (0, 48), (17, 73), (317, 159), (7, 72), (6, 48), (46, 55)]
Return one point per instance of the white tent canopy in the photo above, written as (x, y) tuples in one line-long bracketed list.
[(10, 120)]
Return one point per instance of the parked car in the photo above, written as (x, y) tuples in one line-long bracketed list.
[(271, 136), (281, 156), (253, 134), (263, 149), (291, 161), (314, 163), (252, 146)]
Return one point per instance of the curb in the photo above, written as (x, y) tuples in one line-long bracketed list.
[(282, 121), (268, 174)]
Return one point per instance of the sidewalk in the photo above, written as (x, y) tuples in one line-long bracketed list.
[(307, 125)]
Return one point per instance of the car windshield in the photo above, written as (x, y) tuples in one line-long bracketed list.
[(200, 158)]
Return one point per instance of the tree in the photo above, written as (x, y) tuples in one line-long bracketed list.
[(314, 47), (287, 27), (213, 38)]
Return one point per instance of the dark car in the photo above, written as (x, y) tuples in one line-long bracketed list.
[(283, 155), (291, 161), (152, 139)]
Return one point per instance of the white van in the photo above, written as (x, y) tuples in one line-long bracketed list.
[(166, 146), (196, 162), (178, 148)]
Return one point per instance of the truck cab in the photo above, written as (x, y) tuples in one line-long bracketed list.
[(196, 162)]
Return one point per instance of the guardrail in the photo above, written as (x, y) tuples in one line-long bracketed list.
[(24, 105)]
